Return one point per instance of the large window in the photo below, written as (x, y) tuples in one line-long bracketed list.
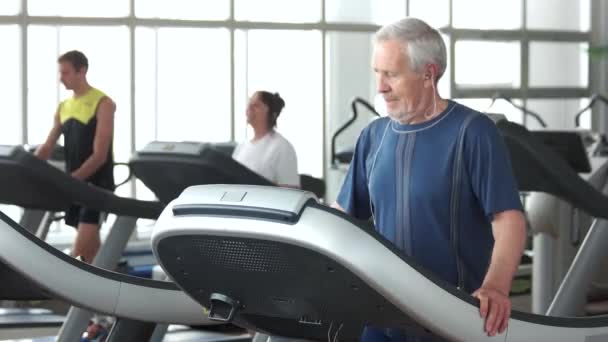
[(287, 62), (528, 49), (185, 89), (286, 11), (182, 9), (348, 75), (364, 11), (487, 14), (78, 8), (559, 113), (182, 92), (10, 85), (487, 64), (10, 7), (10, 88), (184, 69), (571, 16), (346, 80), (547, 57), (43, 81), (108, 72), (436, 13)]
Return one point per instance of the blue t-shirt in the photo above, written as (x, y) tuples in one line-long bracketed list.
[(434, 210)]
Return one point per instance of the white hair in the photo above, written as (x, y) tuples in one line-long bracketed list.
[(422, 43)]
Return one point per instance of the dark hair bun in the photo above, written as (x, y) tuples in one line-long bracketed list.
[(278, 104), (275, 104)]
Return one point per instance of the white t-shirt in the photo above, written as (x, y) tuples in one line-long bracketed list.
[(272, 157)]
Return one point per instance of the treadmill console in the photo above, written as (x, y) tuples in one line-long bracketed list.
[(570, 145), (8, 150), (181, 148), (57, 154), (185, 148), (167, 168), (252, 200)]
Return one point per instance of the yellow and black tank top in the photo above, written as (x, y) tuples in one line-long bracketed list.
[(78, 116)]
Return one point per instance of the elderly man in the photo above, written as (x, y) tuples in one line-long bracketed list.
[(436, 178)]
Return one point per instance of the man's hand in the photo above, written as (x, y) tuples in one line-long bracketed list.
[(509, 231), (44, 151), (78, 176), (494, 308)]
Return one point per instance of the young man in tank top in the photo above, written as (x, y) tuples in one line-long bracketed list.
[(86, 121)]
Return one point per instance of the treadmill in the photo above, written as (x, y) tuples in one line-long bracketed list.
[(32, 183), (136, 302), (39, 221), (307, 276), (37, 321), (550, 163), (167, 168)]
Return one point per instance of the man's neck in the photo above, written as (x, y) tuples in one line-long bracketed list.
[(81, 90), (431, 110)]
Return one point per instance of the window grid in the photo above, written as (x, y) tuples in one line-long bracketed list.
[(24, 20), (524, 35)]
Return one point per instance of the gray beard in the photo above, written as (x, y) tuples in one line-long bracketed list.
[(401, 118)]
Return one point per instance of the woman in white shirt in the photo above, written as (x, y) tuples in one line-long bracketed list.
[(268, 154)]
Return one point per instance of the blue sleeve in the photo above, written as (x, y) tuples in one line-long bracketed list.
[(489, 168), (354, 195)]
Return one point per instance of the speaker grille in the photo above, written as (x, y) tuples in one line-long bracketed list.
[(251, 256)]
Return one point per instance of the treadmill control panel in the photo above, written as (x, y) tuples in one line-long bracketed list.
[(252, 197), (160, 147), (8, 150), (184, 148)]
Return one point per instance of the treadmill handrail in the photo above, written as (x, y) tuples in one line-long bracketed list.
[(338, 241), (351, 120), (129, 176), (594, 98), (536, 318), (83, 193), (554, 175), (521, 108), (14, 238)]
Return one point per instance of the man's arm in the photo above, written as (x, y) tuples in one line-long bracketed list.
[(44, 151), (103, 139), (509, 230)]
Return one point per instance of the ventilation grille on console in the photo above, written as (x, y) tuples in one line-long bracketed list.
[(251, 256)]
